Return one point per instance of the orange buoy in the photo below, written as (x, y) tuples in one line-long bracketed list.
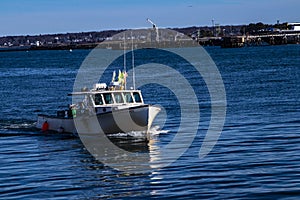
[(45, 126)]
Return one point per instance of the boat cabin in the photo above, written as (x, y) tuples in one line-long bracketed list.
[(118, 97), (103, 101)]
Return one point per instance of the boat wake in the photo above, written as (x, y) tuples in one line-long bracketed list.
[(8, 128), (24, 128), (13, 125), (154, 131)]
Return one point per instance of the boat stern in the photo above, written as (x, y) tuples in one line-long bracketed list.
[(40, 121)]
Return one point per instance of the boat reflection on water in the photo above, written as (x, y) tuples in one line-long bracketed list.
[(125, 152), (130, 142)]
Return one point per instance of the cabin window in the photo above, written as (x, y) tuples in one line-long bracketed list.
[(137, 97), (128, 97), (118, 98), (98, 99), (108, 98)]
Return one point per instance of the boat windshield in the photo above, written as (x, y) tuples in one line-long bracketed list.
[(98, 99), (108, 98), (128, 97), (137, 97), (118, 98)]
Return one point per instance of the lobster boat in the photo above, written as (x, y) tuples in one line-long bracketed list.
[(116, 110)]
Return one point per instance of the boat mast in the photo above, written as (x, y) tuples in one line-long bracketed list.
[(133, 72), (125, 60)]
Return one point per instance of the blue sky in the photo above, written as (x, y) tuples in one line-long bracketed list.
[(19, 17)]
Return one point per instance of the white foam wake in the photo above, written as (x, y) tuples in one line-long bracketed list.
[(154, 131)]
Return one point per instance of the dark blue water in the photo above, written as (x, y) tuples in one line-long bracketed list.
[(256, 157)]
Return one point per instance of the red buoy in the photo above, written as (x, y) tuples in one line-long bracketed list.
[(45, 126)]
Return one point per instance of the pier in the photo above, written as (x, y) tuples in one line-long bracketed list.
[(260, 40)]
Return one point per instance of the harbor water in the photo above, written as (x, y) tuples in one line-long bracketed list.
[(256, 157)]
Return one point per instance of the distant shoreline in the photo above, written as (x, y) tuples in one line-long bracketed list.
[(228, 36), (59, 47)]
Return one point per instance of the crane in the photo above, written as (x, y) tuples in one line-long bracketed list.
[(150, 21), (155, 28)]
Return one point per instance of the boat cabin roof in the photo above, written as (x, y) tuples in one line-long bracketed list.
[(102, 92)]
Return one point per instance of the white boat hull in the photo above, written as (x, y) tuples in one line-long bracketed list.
[(120, 121), (57, 124)]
